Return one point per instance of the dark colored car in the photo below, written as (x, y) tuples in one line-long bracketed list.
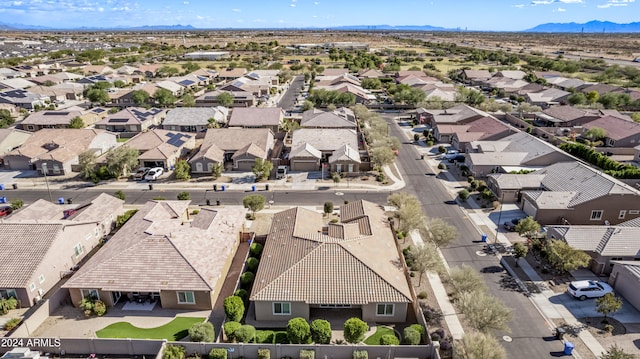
[(456, 158), (5, 211), (511, 225)]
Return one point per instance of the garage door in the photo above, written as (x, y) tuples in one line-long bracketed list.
[(529, 208), (245, 165), (304, 166)]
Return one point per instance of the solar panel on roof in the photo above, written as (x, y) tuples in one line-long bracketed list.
[(99, 110), (50, 113), (178, 142), (118, 120)]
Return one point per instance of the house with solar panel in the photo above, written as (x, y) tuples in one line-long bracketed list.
[(23, 99), (195, 119), (49, 119), (162, 148), (310, 267), (131, 121)]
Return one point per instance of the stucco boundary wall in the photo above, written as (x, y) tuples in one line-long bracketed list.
[(37, 314), (237, 350)]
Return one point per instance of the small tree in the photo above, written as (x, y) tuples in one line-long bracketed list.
[(608, 304), (411, 336), (476, 345), (528, 227), (519, 251), (565, 258), (234, 308), (442, 233), (225, 99), (321, 331), (172, 351), (252, 264), (298, 331), (464, 195), (216, 170), (87, 164), (245, 334), (229, 328), (256, 249), (425, 258), (76, 122), (184, 196), (328, 208), (201, 332), (595, 133), (466, 279), (354, 329), (254, 202), (262, 169), (483, 312), (615, 352), (182, 170), (119, 194), (382, 156), (121, 160)]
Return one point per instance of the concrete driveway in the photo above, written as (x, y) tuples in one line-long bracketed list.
[(587, 308)]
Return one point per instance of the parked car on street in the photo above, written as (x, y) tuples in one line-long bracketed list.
[(584, 289), (154, 174), (5, 211)]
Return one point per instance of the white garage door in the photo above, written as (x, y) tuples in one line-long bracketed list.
[(529, 208)]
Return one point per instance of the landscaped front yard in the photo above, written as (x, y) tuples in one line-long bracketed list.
[(176, 329)]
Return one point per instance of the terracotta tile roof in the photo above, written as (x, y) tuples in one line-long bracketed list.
[(136, 258), (605, 240), (22, 247), (217, 141), (355, 263), (256, 116), (68, 143)]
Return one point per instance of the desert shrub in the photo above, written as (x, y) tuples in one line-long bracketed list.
[(252, 264), (184, 196), (360, 354), (328, 207), (423, 295), (411, 336), (440, 332), (321, 331), (245, 334), (218, 353), (173, 352), (7, 304), (234, 308), (442, 166), (99, 308), (123, 218), (246, 279), (389, 339), (256, 249), (435, 337), (201, 332), (298, 331), (307, 354), (230, 328), (264, 353), (265, 336), (464, 195), (12, 323)]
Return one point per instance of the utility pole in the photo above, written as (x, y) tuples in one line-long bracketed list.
[(44, 172)]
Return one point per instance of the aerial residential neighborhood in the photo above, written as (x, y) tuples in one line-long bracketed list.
[(302, 194)]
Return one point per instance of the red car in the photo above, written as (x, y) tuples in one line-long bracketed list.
[(5, 211)]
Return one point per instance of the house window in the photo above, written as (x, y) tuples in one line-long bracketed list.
[(97, 232), (198, 167), (634, 211), (56, 169), (186, 298), (281, 308), (350, 167), (87, 237), (30, 128), (385, 309), (89, 293), (596, 215), (8, 293), (338, 168), (41, 278), (622, 214), (77, 250), (32, 287), (209, 167)]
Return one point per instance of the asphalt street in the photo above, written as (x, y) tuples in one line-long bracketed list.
[(288, 99), (527, 327)]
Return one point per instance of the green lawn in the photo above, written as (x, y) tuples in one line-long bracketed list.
[(374, 339), (174, 330)]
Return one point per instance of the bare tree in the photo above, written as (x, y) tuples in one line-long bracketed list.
[(466, 279), (425, 258), (442, 233), (480, 346), (483, 312)]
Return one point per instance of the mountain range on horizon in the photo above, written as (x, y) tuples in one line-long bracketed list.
[(594, 26)]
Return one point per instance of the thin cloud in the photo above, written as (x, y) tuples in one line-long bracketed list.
[(236, 10), (615, 3), (316, 3), (560, 10), (292, 5), (572, 1), (542, 2), (519, 6)]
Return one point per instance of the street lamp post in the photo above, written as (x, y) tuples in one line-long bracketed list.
[(495, 241), (44, 172)]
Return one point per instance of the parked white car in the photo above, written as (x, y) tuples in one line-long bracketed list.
[(584, 289), (154, 174)]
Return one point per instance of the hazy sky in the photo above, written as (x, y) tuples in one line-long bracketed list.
[(499, 15)]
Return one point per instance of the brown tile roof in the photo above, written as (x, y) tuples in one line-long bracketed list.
[(355, 263), (616, 128), (22, 248), (68, 143), (158, 249), (256, 116), (50, 118), (219, 140), (154, 144)]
